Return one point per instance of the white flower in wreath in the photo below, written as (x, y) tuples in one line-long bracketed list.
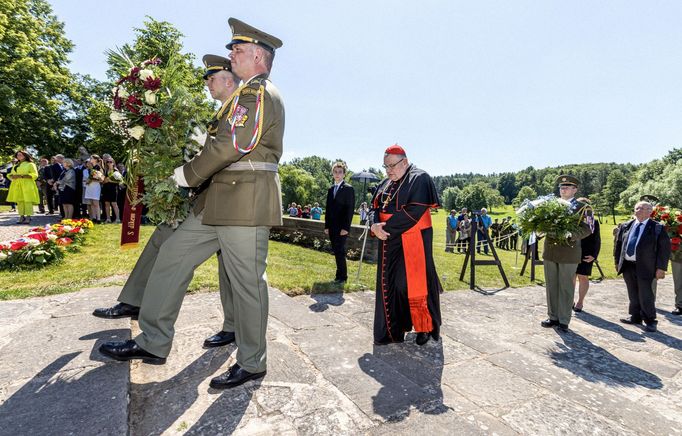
[(39, 252), (51, 236), (121, 92), (33, 242), (117, 116), (3, 256), (145, 74), (150, 97), (68, 228), (136, 132)]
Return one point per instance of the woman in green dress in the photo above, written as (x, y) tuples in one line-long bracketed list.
[(23, 190)]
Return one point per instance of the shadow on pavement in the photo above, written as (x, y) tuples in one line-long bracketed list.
[(323, 301), (69, 401), (158, 405), (610, 326), (595, 364), (410, 376)]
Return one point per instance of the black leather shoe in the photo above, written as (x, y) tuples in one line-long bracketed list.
[(219, 339), (548, 323), (650, 327), (129, 350), (631, 320), (234, 377), (577, 309), (563, 328), (422, 338), (121, 310), (677, 311)]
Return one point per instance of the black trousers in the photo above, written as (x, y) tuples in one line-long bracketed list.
[(339, 250), (640, 293), (50, 199)]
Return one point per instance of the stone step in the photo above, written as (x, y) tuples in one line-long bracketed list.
[(52, 379)]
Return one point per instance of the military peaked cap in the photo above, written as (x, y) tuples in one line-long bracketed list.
[(567, 180), (242, 32), (215, 63)]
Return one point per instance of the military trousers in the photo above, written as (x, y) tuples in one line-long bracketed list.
[(560, 290), (677, 282), (134, 287), (244, 253)]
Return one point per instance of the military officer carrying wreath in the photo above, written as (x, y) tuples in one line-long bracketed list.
[(221, 83), (561, 260), (234, 214)]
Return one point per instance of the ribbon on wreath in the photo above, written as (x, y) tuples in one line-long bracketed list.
[(132, 215)]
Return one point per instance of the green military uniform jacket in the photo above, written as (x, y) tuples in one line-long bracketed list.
[(571, 253), (243, 197)]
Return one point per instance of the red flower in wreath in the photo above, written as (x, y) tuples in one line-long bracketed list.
[(676, 240), (17, 245), (118, 103), (42, 237), (665, 217), (134, 74), (64, 241), (152, 84), (133, 104), (76, 230), (678, 217), (153, 120)]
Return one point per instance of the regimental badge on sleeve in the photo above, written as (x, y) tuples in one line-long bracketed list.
[(239, 116)]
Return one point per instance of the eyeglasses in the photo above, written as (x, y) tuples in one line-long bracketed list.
[(393, 165)]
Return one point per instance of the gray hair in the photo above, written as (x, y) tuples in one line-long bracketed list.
[(644, 203), (69, 162)]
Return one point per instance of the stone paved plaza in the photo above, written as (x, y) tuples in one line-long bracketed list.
[(495, 370)]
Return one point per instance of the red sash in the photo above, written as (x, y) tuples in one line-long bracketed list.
[(132, 216), (415, 270)]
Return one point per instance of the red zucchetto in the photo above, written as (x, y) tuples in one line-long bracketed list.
[(395, 149)]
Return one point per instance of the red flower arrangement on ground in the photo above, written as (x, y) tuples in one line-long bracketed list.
[(41, 246)]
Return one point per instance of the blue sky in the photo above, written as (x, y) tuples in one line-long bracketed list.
[(484, 86)]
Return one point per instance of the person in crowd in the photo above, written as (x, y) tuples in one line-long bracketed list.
[(293, 210), (23, 190), (483, 225), (221, 83), (641, 254), (4, 183), (495, 232), (338, 217), (451, 223), (363, 210), (464, 233), (316, 211), (299, 211), (306, 212), (41, 182), (93, 187), (122, 189), (561, 259), (514, 234), (78, 168), (56, 169), (407, 287), (112, 178), (66, 184), (226, 216), (589, 247)]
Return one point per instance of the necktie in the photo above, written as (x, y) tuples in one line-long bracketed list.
[(336, 188), (633, 240)]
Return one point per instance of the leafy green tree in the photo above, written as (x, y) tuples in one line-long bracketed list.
[(297, 185), (451, 198), (474, 196), (609, 198), (525, 192), (34, 78)]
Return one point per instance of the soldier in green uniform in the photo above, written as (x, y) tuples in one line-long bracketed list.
[(561, 260), (221, 84), (234, 214)]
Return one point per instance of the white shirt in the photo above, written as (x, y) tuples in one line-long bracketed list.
[(633, 258)]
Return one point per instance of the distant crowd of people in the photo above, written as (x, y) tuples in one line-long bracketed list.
[(458, 230), (86, 187)]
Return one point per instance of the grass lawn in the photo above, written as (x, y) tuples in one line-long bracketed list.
[(294, 270)]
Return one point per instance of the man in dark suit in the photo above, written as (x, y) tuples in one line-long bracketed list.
[(338, 216), (56, 170), (641, 253)]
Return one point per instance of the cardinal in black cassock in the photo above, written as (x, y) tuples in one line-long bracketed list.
[(408, 289)]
